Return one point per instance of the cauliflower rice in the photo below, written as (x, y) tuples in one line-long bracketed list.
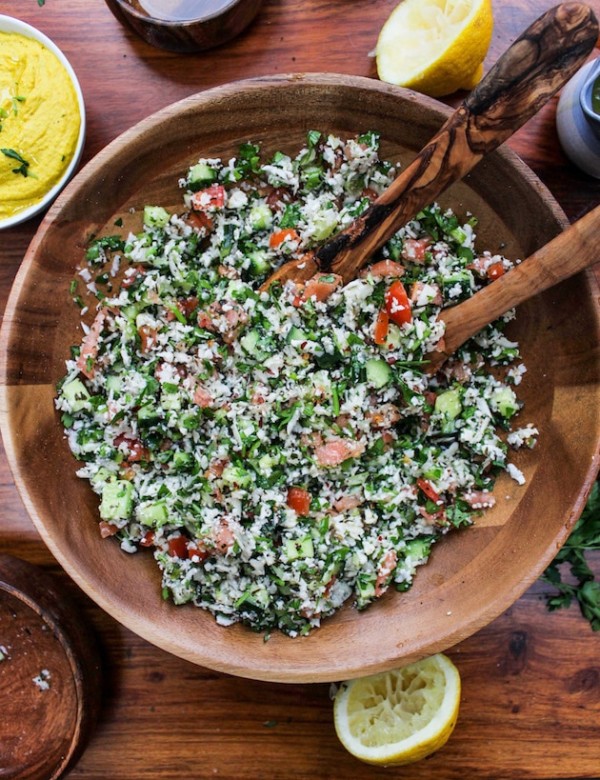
[(281, 452)]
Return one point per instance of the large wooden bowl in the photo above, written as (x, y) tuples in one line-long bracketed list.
[(473, 575)]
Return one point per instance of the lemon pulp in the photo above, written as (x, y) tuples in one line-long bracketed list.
[(400, 716), (435, 46)]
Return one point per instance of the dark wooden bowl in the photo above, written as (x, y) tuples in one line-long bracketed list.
[(473, 575), (210, 29), (50, 675)]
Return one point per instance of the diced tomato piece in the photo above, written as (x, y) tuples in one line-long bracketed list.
[(187, 306), (276, 196), (382, 326), (224, 537), (397, 304), (89, 346), (336, 451), (147, 338), (347, 502), (414, 249), (198, 550), (202, 397), (438, 519), (107, 529), (321, 286), (370, 193), (135, 448), (205, 320), (384, 268), (299, 500), (287, 234), (388, 564), (147, 540), (201, 221), (212, 197), (132, 274), (495, 270), (177, 547), (428, 489)]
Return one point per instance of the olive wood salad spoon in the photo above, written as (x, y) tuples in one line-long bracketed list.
[(570, 252), (525, 77)]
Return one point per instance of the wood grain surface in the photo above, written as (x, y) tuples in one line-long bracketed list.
[(531, 698)]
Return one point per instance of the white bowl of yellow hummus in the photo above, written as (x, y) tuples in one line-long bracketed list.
[(42, 121)]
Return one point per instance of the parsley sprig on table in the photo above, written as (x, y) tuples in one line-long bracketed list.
[(584, 536)]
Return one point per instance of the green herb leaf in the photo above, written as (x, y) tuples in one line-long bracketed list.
[(11, 154), (586, 590)]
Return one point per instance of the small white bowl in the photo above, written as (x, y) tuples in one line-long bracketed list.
[(577, 126), (8, 24)]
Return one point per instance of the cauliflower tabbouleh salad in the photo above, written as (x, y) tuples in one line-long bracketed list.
[(283, 451)]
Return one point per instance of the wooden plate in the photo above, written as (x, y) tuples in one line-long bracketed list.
[(473, 575), (49, 675)]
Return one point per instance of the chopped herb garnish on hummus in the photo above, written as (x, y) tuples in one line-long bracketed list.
[(23, 169)]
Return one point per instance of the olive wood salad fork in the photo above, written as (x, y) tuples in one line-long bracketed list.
[(525, 77)]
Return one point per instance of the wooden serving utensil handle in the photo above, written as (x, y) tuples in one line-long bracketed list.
[(570, 252), (525, 77)]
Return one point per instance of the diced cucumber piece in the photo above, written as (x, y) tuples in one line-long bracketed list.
[(418, 548), (260, 216), (378, 372), (101, 476), (154, 514), (249, 341), (236, 475), (365, 588), (117, 500), (259, 597), (312, 176), (393, 338), (190, 421), (295, 334), (200, 174), (148, 413), (459, 235), (448, 404), (131, 311), (170, 402), (299, 548), (325, 222), (182, 461), (504, 401), (259, 262), (156, 216), (266, 463), (114, 383), (76, 394)]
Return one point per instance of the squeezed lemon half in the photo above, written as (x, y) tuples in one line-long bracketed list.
[(435, 46), (400, 716)]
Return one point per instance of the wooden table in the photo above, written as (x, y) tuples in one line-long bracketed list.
[(531, 701)]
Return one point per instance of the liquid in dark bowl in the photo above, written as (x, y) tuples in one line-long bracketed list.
[(186, 26)]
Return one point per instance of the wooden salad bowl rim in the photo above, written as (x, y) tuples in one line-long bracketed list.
[(474, 574)]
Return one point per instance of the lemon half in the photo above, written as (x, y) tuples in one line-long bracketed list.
[(400, 716), (435, 46)]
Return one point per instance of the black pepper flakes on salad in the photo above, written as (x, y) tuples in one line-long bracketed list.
[(282, 452)]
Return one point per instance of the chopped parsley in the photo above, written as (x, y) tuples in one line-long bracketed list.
[(584, 587), (23, 168)]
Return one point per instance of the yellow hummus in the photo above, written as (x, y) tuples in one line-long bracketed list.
[(39, 122)]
